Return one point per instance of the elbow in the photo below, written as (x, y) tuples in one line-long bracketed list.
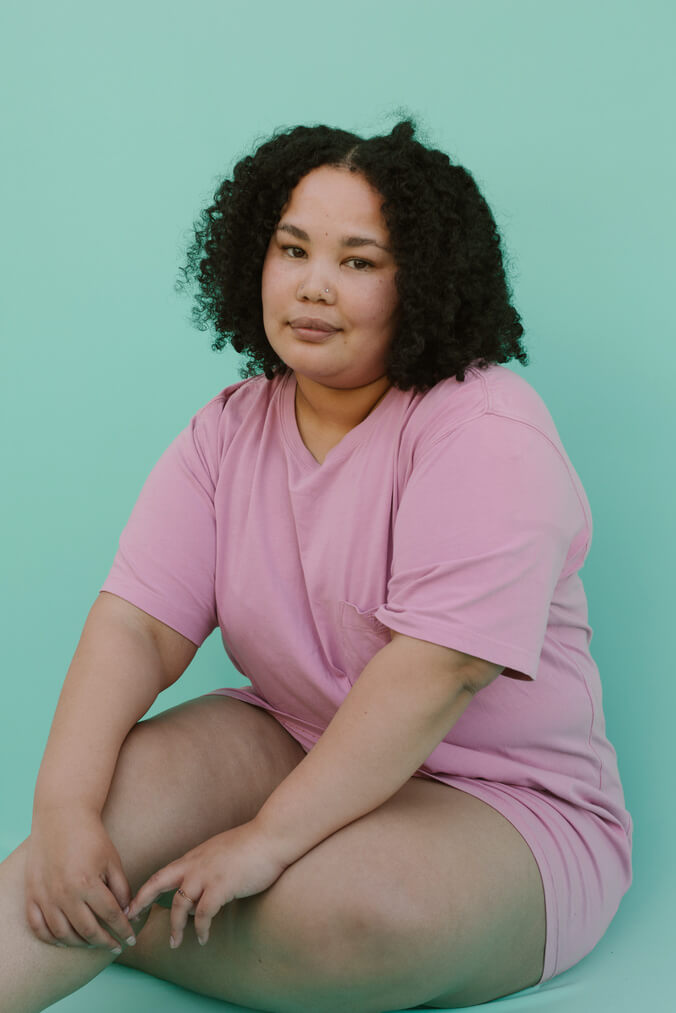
[(478, 676)]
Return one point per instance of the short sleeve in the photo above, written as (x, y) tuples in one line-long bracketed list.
[(166, 560), (484, 526)]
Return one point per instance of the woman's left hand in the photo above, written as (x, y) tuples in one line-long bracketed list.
[(237, 863)]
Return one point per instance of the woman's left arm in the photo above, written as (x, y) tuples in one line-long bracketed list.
[(403, 704), (405, 701)]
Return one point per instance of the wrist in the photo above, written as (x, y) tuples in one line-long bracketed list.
[(275, 843), (62, 785), (46, 810)]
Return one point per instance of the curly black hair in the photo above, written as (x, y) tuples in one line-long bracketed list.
[(455, 305)]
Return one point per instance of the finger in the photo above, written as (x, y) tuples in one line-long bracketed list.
[(95, 935), (81, 929), (207, 909), (62, 929), (168, 878), (105, 906), (182, 906), (117, 883), (38, 925)]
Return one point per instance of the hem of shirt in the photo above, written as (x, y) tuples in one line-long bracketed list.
[(158, 608), (467, 641), (304, 734)]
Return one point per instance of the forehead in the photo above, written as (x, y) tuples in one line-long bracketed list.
[(336, 197)]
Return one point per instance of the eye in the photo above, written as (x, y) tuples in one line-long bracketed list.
[(360, 265), (287, 249)]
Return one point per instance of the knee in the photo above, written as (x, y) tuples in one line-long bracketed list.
[(133, 956), (337, 940)]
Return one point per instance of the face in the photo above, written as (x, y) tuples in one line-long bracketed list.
[(331, 235)]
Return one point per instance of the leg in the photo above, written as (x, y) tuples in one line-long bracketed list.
[(433, 898), (181, 777)]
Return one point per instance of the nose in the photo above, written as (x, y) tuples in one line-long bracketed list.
[(314, 289)]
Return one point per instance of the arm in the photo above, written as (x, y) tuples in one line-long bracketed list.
[(120, 666), (403, 704), (123, 660)]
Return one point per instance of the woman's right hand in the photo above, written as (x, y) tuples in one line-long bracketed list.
[(76, 889)]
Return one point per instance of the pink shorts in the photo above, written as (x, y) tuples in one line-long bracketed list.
[(584, 863), (584, 860)]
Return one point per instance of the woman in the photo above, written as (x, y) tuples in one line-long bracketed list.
[(416, 802)]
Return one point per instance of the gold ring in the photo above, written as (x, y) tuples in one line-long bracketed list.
[(186, 896)]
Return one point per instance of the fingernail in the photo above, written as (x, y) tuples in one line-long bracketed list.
[(126, 910), (131, 941), (201, 941), (172, 942), (117, 951)]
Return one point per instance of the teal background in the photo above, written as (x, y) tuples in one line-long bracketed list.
[(119, 122)]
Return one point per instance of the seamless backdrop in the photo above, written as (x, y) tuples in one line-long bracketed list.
[(119, 122)]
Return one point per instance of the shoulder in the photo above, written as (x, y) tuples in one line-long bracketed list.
[(491, 420), (242, 396), (491, 404), (493, 428), (238, 404), (243, 405), (491, 400)]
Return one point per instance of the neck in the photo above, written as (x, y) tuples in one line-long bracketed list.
[(337, 408)]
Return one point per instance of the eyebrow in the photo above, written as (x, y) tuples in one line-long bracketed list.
[(345, 241)]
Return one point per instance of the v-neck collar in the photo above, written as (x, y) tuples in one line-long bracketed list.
[(345, 445)]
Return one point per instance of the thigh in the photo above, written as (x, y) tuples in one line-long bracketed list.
[(192, 772), (432, 898), (434, 892)]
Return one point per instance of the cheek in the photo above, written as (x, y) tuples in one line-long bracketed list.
[(383, 304), (270, 286)]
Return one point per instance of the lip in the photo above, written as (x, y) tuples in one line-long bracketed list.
[(312, 324)]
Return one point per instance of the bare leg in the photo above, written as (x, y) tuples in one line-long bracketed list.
[(432, 898), (34, 975), (181, 777)]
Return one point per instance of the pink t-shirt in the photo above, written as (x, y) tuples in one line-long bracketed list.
[(454, 516)]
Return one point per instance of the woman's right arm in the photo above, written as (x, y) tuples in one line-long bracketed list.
[(123, 660)]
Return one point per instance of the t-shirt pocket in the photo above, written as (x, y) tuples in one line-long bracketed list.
[(362, 636)]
